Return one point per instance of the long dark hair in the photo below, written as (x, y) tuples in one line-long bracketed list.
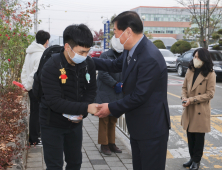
[(205, 56)]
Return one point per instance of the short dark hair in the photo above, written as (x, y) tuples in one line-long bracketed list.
[(42, 36), (129, 19), (205, 56), (76, 35)]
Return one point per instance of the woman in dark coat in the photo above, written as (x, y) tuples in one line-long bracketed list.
[(106, 93)]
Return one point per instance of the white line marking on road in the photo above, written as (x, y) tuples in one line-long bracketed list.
[(215, 133), (218, 110), (180, 152), (176, 77), (219, 86), (175, 106), (219, 118)]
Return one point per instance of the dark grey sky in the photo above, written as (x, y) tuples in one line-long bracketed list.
[(65, 12)]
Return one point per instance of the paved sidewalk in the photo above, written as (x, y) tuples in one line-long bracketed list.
[(92, 158)]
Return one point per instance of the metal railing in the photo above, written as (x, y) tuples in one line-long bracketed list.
[(121, 125)]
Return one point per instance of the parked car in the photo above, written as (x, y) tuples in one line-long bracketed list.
[(183, 61), (177, 55), (95, 52), (170, 59)]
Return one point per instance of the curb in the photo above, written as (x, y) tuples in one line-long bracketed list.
[(20, 163)]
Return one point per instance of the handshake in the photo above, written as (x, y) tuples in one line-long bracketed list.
[(100, 110)]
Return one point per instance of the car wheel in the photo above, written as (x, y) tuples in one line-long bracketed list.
[(180, 71)]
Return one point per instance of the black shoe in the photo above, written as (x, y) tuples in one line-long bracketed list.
[(39, 142), (114, 148), (195, 166), (105, 150), (188, 164)]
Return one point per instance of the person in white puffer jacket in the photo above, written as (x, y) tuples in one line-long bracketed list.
[(31, 64)]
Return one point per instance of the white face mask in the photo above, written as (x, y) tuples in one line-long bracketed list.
[(197, 63), (117, 44), (77, 58)]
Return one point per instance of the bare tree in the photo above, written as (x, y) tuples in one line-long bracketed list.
[(207, 16)]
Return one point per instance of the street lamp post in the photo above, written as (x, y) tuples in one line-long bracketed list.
[(143, 19)]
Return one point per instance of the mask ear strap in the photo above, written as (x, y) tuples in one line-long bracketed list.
[(71, 49), (127, 40), (122, 34)]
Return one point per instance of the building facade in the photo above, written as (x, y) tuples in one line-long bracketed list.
[(164, 21)]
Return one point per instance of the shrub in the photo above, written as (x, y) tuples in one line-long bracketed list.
[(219, 31), (215, 36), (180, 47), (193, 44), (216, 47), (159, 44), (15, 23), (220, 42)]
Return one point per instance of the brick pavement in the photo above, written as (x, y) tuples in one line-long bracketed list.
[(92, 158)]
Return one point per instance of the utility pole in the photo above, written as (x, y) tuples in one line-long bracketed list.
[(36, 17), (49, 25), (208, 21)]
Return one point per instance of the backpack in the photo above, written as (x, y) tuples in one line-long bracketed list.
[(37, 87)]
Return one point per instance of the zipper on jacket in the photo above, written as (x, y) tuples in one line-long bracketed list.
[(77, 76), (77, 82)]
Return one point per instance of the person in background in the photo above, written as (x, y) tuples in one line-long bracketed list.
[(197, 91), (109, 90), (31, 64)]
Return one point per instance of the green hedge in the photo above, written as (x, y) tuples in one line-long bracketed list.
[(215, 36), (216, 47), (193, 44), (159, 44), (180, 47), (219, 31)]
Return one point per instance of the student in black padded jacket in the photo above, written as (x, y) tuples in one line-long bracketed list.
[(69, 86)]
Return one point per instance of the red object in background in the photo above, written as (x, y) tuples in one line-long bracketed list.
[(9, 60), (19, 85), (95, 53)]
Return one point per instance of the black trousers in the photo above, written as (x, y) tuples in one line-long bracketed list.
[(196, 145), (150, 154), (34, 127), (57, 141)]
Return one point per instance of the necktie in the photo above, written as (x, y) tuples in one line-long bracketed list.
[(128, 59)]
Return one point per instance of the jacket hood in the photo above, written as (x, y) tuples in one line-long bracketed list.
[(35, 47)]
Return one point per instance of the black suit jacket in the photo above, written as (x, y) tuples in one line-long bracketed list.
[(145, 90)]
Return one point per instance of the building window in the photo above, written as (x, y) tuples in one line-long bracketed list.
[(156, 19), (164, 30), (167, 17)]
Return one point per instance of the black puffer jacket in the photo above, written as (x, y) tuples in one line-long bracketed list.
[(72, 97), (106, 81)]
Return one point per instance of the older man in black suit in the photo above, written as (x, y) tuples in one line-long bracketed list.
[(145, 103)]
